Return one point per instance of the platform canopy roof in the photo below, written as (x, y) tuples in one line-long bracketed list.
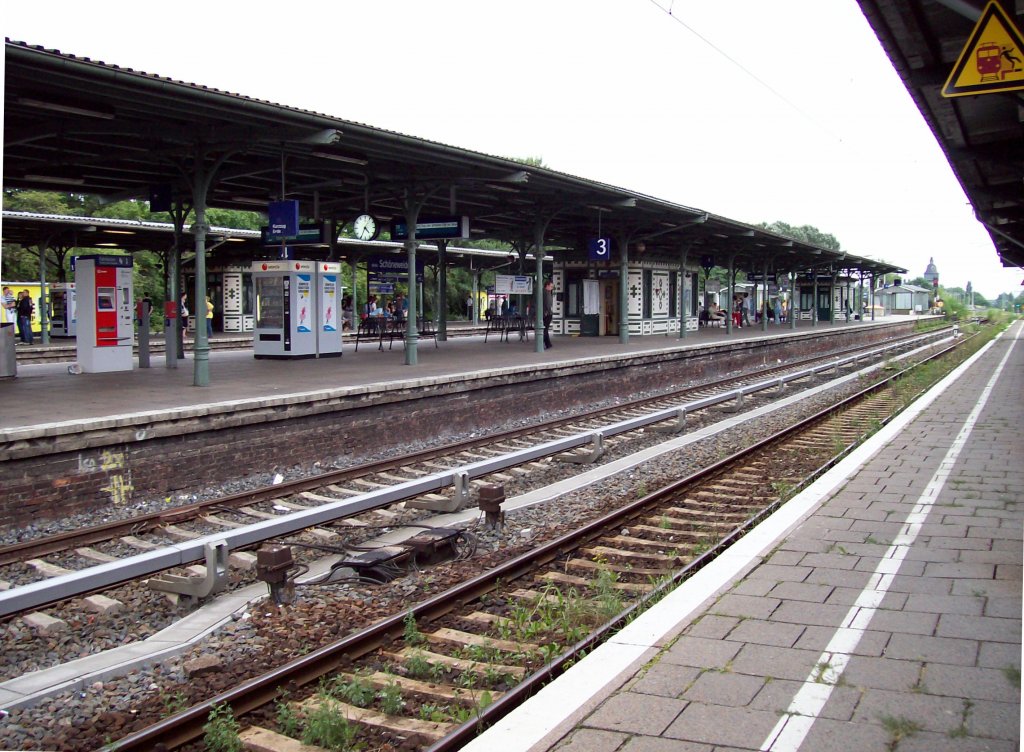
[(75, 124), (980, 134), (67, 232)]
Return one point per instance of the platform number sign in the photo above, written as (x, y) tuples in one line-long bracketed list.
[(599, 249)]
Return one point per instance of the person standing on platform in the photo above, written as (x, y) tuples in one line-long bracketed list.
[(778, 311), (25, 309), (469, 307), (549, 302), (10, 307), (184, 312), (209, 318)]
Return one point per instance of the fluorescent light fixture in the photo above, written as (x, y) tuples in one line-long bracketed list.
[(106, 245), (324, 137), (519, 176), (340, 158), (120, 232), (626, 202), (236, 240), (67, 107), (58, 179)]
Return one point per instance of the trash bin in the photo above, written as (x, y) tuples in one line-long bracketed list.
[(8, 352)]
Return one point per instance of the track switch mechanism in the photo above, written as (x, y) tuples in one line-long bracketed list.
[(273, 564), (490, 498)]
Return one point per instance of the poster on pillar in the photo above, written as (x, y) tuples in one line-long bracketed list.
[(304, 308)]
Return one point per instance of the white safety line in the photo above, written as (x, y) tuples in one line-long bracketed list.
[(792, 729)]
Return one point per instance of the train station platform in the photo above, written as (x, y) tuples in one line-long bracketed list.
[(46, 394), (880, 609)]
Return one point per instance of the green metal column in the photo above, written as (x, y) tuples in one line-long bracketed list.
[(793, 299), (763, 307), (44, 329), (732, 292), (538, 290), (442, 290), (201, 357), (814, 303), (681, 291), (412, 215), (174, 275), (834, 279), (623, 288)]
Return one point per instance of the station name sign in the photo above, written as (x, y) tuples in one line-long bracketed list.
[(382, 268), (432, 228)]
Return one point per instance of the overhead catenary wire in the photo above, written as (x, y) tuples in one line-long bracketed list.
[(760, 82)]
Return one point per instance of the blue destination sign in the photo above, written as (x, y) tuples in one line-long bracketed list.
[(432, 228), (284, 218), (314, 234)]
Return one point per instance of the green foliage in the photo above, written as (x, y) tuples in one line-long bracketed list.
[(174, 703), (805, 234), (390, 697), (417, 666), (287, 718), (327, 727), (220, 734), (411, 633), (355, 692)]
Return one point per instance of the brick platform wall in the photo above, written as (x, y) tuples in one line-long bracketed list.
[(88, 471)]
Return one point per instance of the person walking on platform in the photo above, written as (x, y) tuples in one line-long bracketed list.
[(209, 318), (25, 309), (549, 303)]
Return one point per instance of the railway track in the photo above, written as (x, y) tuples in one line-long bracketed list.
[(393, 487), (431, 675)]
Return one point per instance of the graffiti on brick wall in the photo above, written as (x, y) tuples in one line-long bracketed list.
[(119, 477)]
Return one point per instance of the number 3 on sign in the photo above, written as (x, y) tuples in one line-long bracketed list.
[(599, 249)]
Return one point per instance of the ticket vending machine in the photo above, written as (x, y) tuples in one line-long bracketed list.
[(328, 332), (106, 331), (286, 309), (62, 310)]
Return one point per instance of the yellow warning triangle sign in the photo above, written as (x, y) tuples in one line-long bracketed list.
[(992, 60)]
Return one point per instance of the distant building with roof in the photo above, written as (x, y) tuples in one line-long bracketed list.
[(932, 273), (903, 299)]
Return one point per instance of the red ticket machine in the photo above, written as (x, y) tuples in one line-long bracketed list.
[(105, 328)]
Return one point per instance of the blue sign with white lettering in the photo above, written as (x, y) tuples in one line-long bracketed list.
[(599, 249), (284, 219)]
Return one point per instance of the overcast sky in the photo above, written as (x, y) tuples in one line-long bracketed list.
[(754, 110)]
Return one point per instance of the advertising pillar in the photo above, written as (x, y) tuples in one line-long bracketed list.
[(105, 328), (328, 277)]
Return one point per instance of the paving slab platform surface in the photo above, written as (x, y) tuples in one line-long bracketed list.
[(47, 395), (878, 610)]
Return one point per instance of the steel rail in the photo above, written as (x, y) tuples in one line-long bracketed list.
[(180, 729)]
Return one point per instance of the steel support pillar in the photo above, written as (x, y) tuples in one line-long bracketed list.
[(412, 215)]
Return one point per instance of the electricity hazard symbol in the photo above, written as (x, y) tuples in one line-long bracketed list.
[(992, 60)]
